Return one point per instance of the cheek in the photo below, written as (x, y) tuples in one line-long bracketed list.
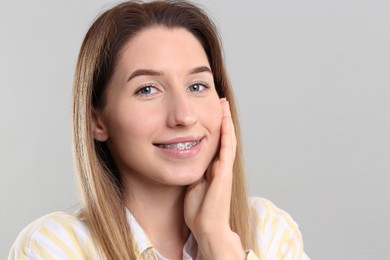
[(130, 123), (212, 117)]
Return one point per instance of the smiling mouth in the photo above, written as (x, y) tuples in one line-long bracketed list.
[(179, 146)]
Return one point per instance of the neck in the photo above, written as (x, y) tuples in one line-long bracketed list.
[(159, 210)]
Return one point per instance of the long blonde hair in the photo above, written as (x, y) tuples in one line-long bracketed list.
[(99, 180)]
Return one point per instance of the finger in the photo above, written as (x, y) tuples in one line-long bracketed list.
[(220, 181), (228, 137), (231, 128), (232, 132)]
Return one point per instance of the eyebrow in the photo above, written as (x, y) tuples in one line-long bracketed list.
[(148, 72), (200, 70), (145, 72)]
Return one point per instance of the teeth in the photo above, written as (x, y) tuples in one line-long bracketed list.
[(179, 146)]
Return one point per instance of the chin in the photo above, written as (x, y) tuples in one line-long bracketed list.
[(184, 178)]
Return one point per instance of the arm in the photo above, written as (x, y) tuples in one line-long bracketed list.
[(207, 203), (58, 235), (278, 235)]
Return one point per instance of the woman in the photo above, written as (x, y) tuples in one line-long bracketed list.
[(157, 149)]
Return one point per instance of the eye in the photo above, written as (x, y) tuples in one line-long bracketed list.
[(147, 90), (197, 87)]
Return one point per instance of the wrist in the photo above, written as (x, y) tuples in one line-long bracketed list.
[(221, 245)]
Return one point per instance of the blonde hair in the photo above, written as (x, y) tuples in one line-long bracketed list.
[(99, 180)]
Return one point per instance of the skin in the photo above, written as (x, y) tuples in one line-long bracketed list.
[(173, 99)]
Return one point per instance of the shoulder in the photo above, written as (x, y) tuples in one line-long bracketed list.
[(266, 211), (278, 235), (58, 235)]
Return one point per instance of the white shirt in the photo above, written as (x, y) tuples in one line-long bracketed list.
[(61, 235)]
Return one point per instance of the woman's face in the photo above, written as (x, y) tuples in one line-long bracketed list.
[(163, 115)]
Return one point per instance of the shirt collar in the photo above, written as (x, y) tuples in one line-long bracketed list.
[(142, 242)]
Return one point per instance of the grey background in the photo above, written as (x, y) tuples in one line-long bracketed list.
[(312, 82)]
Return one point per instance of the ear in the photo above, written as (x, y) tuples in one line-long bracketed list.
[(99, 129)]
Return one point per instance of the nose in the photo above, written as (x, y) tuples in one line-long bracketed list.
[(181, 111)]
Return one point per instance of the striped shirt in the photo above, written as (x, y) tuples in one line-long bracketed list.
[(61, 235)]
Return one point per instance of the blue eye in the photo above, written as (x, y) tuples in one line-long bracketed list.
[(146, 90), (197, 87)]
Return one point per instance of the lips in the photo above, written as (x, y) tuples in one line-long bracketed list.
[(182, 143), (179, 146)]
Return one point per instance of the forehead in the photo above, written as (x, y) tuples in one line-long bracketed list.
[(163, 48)]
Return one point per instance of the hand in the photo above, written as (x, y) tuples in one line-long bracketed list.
[(207, 202)]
